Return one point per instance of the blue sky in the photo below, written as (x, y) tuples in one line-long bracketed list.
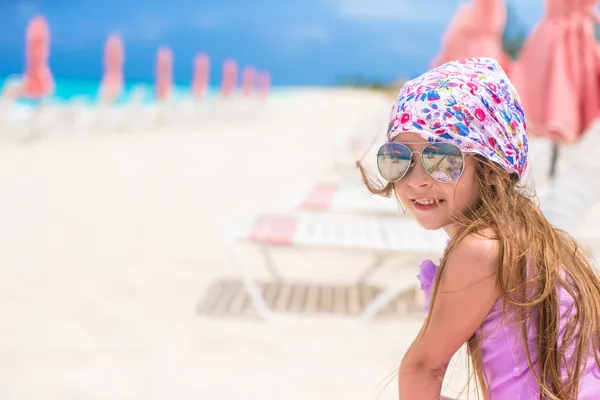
[(302, 42)]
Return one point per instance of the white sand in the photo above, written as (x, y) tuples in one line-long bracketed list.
[(108, 241)]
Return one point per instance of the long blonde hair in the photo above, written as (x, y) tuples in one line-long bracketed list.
[(535, 259)]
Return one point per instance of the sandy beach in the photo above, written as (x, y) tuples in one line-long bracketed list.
[(109, 241)]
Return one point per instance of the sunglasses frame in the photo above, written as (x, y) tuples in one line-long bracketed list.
[(422, 162)]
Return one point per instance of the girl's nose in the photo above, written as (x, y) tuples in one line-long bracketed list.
[(418, 177)]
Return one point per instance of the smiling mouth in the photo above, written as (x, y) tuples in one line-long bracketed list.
[(427, 204)]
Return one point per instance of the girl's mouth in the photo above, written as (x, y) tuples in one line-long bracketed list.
[(427, 204)]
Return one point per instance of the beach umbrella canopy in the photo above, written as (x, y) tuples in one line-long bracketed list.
[(201, 75), (111, 85), (557, 73), (164, 73), (38, 81), (248, 80), (263, 83), (475, 30), (229, 78)]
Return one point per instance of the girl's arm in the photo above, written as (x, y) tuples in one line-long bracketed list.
[(466, 294)]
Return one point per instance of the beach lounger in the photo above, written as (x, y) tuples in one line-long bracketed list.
[(569, 200), (575, 190), (571, 203), (348, 149), (341, 197), (381, 236), (12, 119)]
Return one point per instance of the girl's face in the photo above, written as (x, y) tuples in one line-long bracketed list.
[(417, 189)]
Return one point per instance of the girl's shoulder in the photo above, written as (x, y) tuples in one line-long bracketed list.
[(473, 259)]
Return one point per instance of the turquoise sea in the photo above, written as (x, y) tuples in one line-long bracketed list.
[(86, 90)]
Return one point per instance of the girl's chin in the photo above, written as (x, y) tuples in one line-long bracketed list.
[(431, 222)]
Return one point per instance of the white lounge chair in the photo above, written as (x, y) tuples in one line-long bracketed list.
[(575, 189), (362, 143), (341, 197), (10, 123), (381, 236), (572, 202)]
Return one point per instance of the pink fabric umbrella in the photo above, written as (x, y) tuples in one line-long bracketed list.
[(558, 71), (37, 78), (264, 84), (453, 36), (201, 75), (475, 31), (164, 74), (229, 79), (248, 79), (112, 80)]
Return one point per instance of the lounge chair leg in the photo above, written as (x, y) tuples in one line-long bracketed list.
[(251, 286), (382, 299), (371, 268), (269, 263)]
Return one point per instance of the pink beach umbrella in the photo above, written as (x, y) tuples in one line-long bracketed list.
[(475, 30), (558, 70), (452, 36), (112, 80), (37, 79), (229, 78), (264, 84), (164, 74), (201, 75), (248, 80)]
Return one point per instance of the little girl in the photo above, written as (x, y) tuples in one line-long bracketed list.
[(520, 293)]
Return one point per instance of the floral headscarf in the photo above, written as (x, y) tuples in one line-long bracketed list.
[(470, 103)]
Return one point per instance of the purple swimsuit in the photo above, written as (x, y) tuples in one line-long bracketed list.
[(504, 359)]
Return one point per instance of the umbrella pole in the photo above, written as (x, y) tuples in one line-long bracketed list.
[(553, 161)]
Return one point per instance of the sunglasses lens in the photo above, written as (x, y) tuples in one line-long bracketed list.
[(443, 161), (393, 160)]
